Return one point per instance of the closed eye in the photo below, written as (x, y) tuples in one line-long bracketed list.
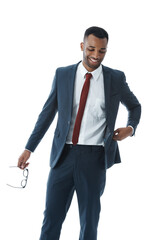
[(91, 50), (102, 51)]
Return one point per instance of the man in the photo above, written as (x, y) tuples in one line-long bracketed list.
[(86, 96)]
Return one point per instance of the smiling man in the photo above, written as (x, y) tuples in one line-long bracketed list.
[(86, 96)]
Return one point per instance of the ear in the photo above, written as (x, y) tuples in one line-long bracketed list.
[(82, 46)]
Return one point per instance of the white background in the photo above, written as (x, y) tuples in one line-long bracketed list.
[(36, 38)]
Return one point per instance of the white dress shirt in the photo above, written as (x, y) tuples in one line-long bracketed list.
[(94, 117)]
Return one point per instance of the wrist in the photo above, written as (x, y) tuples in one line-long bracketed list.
[(27, 150)]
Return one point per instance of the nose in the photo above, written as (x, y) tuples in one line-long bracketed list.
[(95, 55)]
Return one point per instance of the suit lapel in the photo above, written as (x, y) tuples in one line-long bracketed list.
[(70, 86), (107, 86)]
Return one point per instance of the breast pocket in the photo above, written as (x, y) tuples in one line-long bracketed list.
[(97, 110)]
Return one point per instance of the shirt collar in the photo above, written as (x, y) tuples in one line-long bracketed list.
[(95, 74)]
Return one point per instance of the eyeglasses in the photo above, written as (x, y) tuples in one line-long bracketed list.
[(24, 181)]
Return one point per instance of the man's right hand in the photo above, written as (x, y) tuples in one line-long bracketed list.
[(22, 161)]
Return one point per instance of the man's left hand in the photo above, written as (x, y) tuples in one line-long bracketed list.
[(122, 133)]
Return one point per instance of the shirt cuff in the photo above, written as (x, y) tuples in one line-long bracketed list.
[(28, 150), (132, 129)]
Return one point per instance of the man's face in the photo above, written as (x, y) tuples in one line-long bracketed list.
[(94, 50)]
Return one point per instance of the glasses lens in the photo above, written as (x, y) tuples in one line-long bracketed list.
[(23, 183), (25, 173)]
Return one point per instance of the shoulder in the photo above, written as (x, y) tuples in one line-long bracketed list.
[(66, 69), (115, 73)]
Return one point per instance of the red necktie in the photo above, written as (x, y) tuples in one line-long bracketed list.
[(82, 104)]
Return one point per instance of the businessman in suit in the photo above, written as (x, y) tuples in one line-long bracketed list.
[(86, 96)]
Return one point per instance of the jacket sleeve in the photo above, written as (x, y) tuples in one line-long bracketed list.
[(45, 118), (129, 100)]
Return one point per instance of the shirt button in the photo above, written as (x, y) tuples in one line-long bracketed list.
[(68, 122)]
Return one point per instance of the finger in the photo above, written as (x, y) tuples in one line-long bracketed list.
[(19, 163), (117, 137), (116, 131), (22, 163), (26, 165)]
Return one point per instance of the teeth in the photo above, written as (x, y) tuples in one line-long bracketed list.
[(93, 60)]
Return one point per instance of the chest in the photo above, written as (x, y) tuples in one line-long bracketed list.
[(96, 94), (95, 104)]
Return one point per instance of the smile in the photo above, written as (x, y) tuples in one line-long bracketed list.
[(94, 60)]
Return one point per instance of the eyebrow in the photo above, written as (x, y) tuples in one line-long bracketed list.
[(100, 48)]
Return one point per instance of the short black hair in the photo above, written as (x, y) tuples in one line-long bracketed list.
[(97, 32)]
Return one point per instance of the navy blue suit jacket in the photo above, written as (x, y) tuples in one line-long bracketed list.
[(61, 100)]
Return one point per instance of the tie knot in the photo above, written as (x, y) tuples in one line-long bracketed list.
[(88, 75)]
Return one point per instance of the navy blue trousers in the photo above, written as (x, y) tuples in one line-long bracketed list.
[(80, 168)]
